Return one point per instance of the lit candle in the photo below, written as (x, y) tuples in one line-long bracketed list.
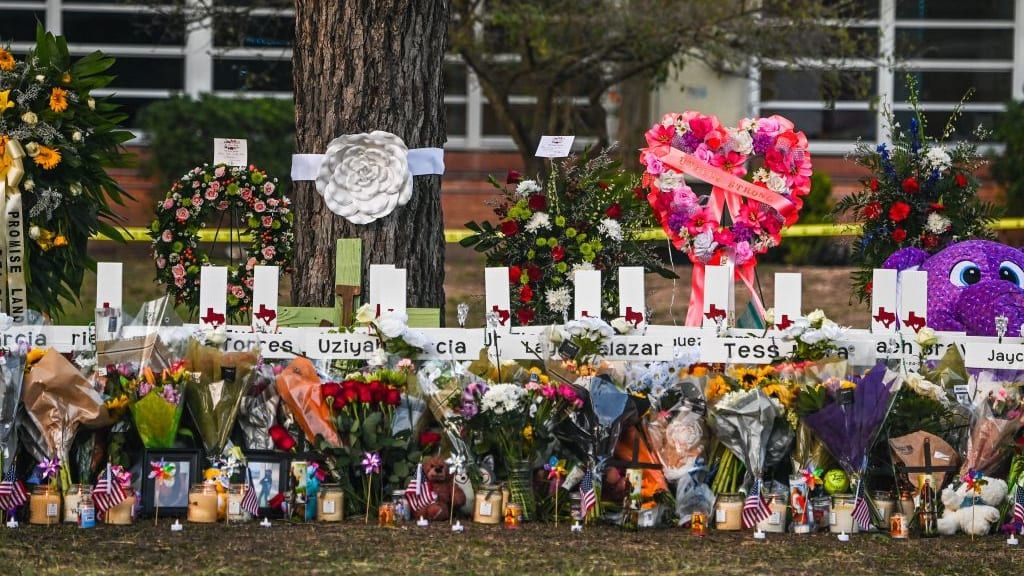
[(121, 515), (202, 504)]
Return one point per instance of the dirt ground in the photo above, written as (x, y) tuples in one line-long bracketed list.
[(354, 548)]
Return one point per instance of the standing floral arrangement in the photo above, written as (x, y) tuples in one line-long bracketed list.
[(588, 215), (55, 144), (922, 192)]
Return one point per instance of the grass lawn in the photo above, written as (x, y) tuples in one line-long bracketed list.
[(353, 548)]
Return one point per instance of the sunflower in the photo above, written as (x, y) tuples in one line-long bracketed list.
[(781, 392), (5, 100), (698, 371), (716, 388), (47, 157), (58, 100), (6, 60)]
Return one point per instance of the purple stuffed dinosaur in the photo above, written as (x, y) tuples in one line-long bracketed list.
[(969, 284)]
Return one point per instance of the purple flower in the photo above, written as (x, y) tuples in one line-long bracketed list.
[(170, 394), (144, 388), (742, 231), (677, 220), (762, 141), (469, 409), (371, 463), (689, 142)]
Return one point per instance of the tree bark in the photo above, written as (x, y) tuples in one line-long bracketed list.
[(358, 66)]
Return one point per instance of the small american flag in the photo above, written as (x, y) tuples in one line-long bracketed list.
[(12, 491), (861, 511), (419, 493), (107, 493), (1018, 506), (588, 496), (250, 503), (755, 507)]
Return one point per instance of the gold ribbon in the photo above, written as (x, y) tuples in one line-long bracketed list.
[(13, 292)]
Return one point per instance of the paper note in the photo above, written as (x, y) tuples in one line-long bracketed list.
[(554, 146), (213, 296), (883, 301), (230, 151), (497, 300), (587, 300), (265, 284), (632, 303)]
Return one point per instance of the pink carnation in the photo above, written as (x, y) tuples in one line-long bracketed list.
[(259, 206), (268, 252), (178, 271), (167, 236), (268, 188), (181, 214), (219, 172), (168, 204), (267, 221), (246, 194), (250, 263), (161, 263), (742, 253)]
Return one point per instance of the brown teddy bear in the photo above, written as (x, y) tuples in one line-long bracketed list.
[(435, 472)]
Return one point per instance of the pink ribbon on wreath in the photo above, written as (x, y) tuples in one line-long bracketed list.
[(727, 192)]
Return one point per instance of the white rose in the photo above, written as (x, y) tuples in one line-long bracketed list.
[(364, 315), (29, 118), (32, 149), (621, 326), (28, 184), (33, 232), (669, 181), (816, 316), (741, 141), (40, 78), (75, 188), (76, 136), (776, 183), (393, 324), (926, 337), (215, 336), (364, 177), (91, 103)]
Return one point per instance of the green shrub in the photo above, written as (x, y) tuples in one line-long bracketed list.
[(1008, 168), (180, 132)]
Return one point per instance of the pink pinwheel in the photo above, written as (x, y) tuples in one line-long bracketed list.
[(812, 477), (48, 468), (371, 463), (162, 471)]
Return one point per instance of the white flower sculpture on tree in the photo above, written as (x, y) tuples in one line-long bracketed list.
[(364, 177)]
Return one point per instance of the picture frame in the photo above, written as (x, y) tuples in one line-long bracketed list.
[(270, 473), (173, 496)]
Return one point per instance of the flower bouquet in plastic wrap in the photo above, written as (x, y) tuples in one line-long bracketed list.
[(300, 388), (12, 376), (219, 381), (260, 406), (847, 415), (158, 403)]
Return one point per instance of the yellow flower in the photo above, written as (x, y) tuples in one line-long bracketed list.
[(58, 100), (716, 388), (115, 404), (780, 392), (6, 60), (747, 377), (528, 433), (47, 157), (698, 371), (34, 355), (847, 385), (5, 159), (5, 100), (66, 78)]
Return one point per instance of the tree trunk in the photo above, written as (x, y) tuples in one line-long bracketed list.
[(359, 66)]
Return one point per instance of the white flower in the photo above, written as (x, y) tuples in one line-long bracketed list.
[(32, 149), (502, 398), (415, 338), (670, 181), (91, 103), (816, 317), (704, 245), (832, 331), (797, 328), (29, 118), (364, 315), (924, 388), (76, 136), (926, 337), (538, 221), (621, 326), (75, 188), (769, 317), (393, 324), (741, 141), (364, 177), (527, 187), (812, 336), (581, 267), (379, 357), (777, 183), (761, 175), (215, 335), (5, 322), (40, 78), (33, 232), (559, 299), (610, 228), (28, 184), (937, 159), (937, 223)]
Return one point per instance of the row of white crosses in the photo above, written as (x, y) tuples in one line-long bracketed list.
[(899, 308)]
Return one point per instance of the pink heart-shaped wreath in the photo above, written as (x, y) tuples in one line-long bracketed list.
[(759, 207)]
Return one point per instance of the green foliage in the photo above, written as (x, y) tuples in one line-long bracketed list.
[(181, 130), (1008, 167), (818, 206)]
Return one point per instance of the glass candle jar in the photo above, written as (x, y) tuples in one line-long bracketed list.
[(386, 515), (402, 512), (884, 504), (513, 516), (776, 521), (235, 511), (330, 504), (821, 512), (841, 519), (73, 500), (699, 524), (487, 507), (86, 511), (907, 507), (124, 513), (44, 505), (729, 511), (202, 503)]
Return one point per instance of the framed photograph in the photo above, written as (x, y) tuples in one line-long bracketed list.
[(269, 472), (171, 494)]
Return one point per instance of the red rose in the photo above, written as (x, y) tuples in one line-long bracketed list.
[(929, 240), (365, 395), (910, 185), (936, 207), (873, 184), (525, 316), (509, 228), (961, 180), (526, 294), (392, 396), (639, 193), (514, 272), (534, 272), (614, 211), (537, 202), (558, 253), (330, 389), (872, 210), (899, 211), (377, 391), (513, 177), (899, 235), (282, 439), (350, 390), (429, 438)]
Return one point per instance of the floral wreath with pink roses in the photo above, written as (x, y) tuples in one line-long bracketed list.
[(245, 196), (694, 224)]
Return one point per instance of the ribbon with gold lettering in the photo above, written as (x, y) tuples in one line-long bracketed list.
[(12, 169)]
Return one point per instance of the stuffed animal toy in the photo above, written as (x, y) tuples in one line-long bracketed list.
[(435, 473), (969, 284), (972, 512)]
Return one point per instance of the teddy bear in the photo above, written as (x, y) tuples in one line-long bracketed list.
[(437, 476), (969, 284), (972, 512)]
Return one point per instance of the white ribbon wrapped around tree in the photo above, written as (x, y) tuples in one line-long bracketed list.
[(365, 177)]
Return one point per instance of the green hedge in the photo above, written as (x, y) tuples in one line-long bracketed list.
[(180, 132)]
